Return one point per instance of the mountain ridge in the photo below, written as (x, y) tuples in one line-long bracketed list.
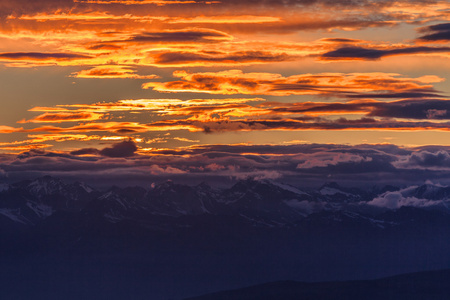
[(265, 202), (419, 285)]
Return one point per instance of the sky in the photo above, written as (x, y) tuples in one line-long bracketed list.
[(299, 91)]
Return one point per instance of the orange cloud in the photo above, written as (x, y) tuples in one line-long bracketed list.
[(188, 35), (18, 149), (102, 15), (237, 82), (36, 59), (35, 141), (156, 105), (86, 33), (115, 127), (134, 38), (299, 124), (9, 129), (112, 71), (41, 56), (217, 58), (64, 117), (86, 16), (377, 115), (228, 19), (118, 127), (185, 140), (360, 53), (143, 2), (39, 138), (223, 115)]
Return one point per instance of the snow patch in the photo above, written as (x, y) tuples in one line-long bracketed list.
[(111, 217), (13, 214), (85, 187), (289, 188), (41, 210), (329, 191)]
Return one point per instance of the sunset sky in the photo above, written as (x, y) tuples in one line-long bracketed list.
[(300, 91)]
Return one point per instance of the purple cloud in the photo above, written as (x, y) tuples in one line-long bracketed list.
[(374, 54), (437, 33), (122, 149)]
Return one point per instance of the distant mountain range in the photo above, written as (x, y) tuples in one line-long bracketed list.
[(259, 203), (171, 241)]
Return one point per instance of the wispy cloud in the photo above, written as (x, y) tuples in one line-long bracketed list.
[(144, 2), (112, 71), (64, 117), (237, 82)]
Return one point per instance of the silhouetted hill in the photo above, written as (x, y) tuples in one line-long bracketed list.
[(432, 285)]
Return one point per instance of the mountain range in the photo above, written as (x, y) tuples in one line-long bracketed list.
[(172, 241), (260, 203)]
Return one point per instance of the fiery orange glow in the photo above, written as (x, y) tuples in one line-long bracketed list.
[(236, 82), (309, 66), (113, 71), (64, 117)]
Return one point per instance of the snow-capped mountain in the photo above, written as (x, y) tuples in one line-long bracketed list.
[(260, 203), (30, 201), (178, 232)]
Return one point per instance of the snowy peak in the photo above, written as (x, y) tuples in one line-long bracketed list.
[(432, 192), (265, 189), (333, 192), (83, 187), (288, 187), (268, 203), (174, 199), (332, 188), (46, 185), (259, 202), (35, 200)]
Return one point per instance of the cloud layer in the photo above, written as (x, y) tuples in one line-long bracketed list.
[(222, 90), (300, 164)]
